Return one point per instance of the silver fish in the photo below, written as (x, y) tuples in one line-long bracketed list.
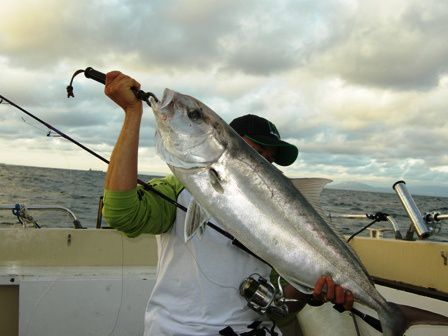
[(262, 208)]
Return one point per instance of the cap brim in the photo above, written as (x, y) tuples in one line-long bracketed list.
[(286, 152)]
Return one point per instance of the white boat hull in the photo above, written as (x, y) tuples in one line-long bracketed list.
[(97, 282)]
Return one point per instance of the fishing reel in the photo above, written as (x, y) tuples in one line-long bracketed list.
[(263, 297)]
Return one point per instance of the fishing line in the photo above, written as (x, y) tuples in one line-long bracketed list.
[(363, 328), (49, 134), (145, 185), (355, 323), (38, 302), (203, 273), (122, 288), (30, 124)]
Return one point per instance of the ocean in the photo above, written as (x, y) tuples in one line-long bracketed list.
[(80, 191)]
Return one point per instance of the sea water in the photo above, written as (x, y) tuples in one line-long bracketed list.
[(80, 191)]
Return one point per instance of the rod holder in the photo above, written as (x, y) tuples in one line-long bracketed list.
[(423, 231)]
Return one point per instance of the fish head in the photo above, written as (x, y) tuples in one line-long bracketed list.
[(189, 134)]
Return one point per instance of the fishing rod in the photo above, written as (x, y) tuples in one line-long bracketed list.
[(145, 96), (10, 102)]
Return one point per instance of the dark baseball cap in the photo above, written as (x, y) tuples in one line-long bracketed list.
[(264, 132)]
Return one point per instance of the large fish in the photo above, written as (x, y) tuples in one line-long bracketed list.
[(262, 208)]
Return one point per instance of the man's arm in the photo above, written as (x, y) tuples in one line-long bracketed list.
[(126, 207), (122, 171)]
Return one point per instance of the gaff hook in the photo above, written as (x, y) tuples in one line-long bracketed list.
[(100, 77)]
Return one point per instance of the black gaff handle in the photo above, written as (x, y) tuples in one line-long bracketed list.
[(95, 75), (100, 77)]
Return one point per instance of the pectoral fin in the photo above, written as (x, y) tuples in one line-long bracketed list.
[(195, 220), (215, 180)]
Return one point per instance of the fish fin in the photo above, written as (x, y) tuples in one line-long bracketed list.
[(195, 220), (311, 188), (215, 180), (407, 316)]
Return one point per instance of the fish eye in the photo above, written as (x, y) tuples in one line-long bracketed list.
[(195, 114)]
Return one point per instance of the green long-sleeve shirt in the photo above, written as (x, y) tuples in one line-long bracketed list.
[(136, 211)]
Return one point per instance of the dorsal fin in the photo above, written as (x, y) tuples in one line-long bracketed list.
[(311, 188)]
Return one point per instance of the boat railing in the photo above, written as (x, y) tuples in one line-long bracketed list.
[(21, 211), (424, 225), (374, 232), (439, 217)]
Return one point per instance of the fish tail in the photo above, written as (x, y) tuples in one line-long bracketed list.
[(400, 317)]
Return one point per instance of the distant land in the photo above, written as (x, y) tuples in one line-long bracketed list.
[(413, 189), (358, 186)]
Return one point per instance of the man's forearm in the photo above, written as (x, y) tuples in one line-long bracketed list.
[(122, 172)]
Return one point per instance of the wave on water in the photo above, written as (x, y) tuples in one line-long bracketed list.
[(80, 191)]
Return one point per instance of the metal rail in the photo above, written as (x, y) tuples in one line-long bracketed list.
[(76, 222), (389, 218), (423, 225)]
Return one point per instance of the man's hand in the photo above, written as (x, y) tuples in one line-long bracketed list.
[(326, 290), (118, 88)]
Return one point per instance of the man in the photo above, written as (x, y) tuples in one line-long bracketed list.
[(196, 290)]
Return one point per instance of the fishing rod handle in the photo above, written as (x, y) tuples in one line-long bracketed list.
[(101, 78)]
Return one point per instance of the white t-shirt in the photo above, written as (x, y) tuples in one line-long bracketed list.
[(197, 285)]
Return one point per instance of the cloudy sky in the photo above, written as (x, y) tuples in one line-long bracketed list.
[(360, 86)]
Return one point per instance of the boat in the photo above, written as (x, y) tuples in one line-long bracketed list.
[(96, 281)]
